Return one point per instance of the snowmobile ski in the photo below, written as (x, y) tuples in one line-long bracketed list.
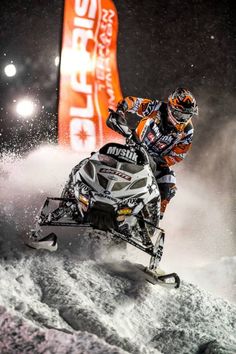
[(48, 243), (170, 281)]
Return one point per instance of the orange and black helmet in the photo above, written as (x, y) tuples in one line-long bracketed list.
[(182, 107)]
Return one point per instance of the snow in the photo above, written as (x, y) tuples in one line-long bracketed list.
[(73, 302), (107, 300), (19, 336)]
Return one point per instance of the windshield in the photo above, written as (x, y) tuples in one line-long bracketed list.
[(107, 160), (130, 167)]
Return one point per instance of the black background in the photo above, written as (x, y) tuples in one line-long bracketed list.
[(161, 45)]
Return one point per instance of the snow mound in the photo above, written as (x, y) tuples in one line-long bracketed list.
[(18, 336), (109, 301)]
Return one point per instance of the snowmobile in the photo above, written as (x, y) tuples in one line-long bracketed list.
[(113, 192)]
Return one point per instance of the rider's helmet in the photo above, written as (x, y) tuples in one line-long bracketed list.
[(182, 107)]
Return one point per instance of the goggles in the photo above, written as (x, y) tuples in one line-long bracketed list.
[(181, 117), (178, 123)]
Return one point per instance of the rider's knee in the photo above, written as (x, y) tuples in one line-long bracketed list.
[(167, 191)]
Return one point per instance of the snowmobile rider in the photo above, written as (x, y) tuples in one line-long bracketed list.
[(165, 128)]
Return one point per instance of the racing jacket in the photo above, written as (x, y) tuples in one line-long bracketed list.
[(166, 145)]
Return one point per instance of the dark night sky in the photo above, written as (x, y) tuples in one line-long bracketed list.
[(162, 44)]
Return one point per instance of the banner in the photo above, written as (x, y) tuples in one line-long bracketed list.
[(89, 80)]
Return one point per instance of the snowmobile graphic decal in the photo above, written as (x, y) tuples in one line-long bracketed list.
[(126, 154), (89, 80), (114, 172)]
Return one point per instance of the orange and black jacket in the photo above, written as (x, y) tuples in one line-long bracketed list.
[(166, 145)]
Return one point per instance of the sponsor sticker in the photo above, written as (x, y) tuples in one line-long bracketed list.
[(124, 153)]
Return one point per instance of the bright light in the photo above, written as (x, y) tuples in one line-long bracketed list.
[(10, 70), (25, 108), (57, 61), (73, 61)]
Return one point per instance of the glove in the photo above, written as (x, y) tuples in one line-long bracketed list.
[(117, 122), (122, 106)]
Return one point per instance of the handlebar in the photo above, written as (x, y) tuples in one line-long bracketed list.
[(133, 137)]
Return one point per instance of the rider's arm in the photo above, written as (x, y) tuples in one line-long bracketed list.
[(117, 121), (179, 151), (143, 107)]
